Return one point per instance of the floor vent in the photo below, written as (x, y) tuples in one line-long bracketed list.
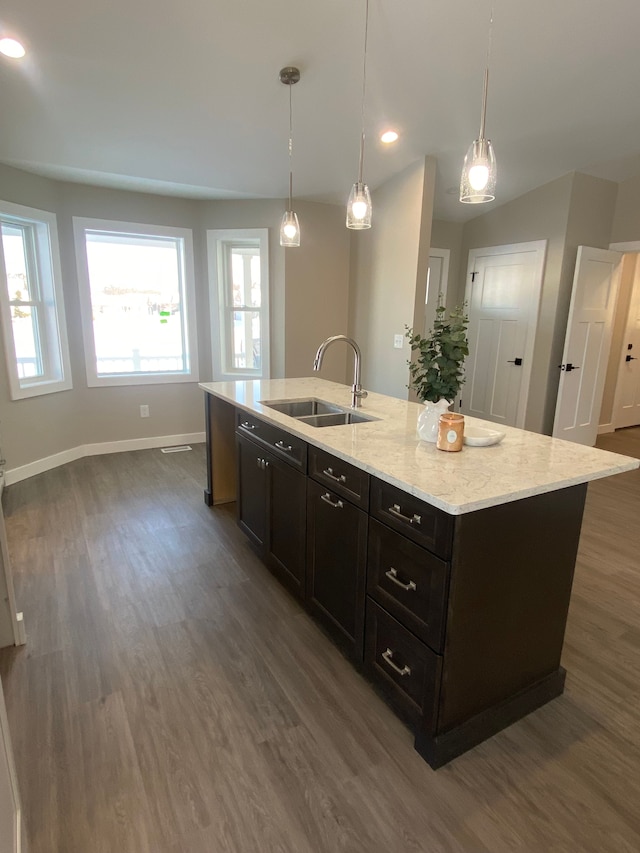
[(177, 449)]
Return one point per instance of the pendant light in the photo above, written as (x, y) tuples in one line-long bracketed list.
[(290, 227), (478, 181), (359, 204)]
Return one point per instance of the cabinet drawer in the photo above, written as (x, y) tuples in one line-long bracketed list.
[(284, 445), (409, 582), (425, 524), (346, 480), (406, 669)]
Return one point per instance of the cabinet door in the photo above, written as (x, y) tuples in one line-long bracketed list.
[(252, 496), (286, 523), (336, 565)]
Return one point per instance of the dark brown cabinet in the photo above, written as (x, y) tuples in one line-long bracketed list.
[(336, 565), (459, 620), (271, 510)]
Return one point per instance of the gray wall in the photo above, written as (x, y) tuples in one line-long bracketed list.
[(41, 426), (571, 211), (448, 235), (388, 275), (541, 214)]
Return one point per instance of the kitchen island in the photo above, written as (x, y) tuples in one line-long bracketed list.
[(445, 576)]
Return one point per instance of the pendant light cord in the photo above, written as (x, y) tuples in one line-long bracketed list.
[(485, 87), (364, 88), (290, 151)]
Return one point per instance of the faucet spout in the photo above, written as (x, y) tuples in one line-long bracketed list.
[(357, 392)]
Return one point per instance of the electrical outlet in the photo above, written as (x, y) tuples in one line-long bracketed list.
[(144, 411), (398, 341)]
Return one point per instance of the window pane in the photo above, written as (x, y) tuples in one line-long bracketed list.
[(25, 336), (245, 277), (14, 245), (246, 340), (137, 303)]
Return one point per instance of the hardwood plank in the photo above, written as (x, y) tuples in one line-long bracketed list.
[(174, 698)]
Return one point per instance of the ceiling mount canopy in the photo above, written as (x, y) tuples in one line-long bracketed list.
[(290, 227)]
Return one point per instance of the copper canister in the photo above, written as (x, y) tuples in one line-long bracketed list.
[(450, 431)]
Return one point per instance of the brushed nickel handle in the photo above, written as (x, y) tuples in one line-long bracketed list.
[(247, 425), (392, 574), (282, 446), (259, 461), (388, 655), (327, 499), (395, 510), (328, 472)]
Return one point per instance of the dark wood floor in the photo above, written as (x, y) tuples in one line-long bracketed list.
[(172, 698)]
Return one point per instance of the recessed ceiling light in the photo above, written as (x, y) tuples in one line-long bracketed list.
[(11, 47), (388, 137)]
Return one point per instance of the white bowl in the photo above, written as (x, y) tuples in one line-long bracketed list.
[(481, 437)]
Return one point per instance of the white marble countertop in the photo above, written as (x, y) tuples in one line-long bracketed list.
[(523, 464)]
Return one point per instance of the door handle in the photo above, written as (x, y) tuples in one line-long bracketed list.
[(282, 446), (328, 472), (631, 358), (392, 574), (335, 504), (569, 367), (395, 510), (516, 361), (388, 657)]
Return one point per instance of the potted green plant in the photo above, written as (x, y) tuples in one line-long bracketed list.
[(436, 373)]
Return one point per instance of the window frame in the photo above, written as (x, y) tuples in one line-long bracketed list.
[(221, 301), (43, 259), (94, 380)]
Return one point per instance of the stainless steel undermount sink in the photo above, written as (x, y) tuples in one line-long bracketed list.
[(316, 413), (336, 419), (302, 408)]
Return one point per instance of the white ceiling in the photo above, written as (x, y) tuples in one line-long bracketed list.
[(184, 98)]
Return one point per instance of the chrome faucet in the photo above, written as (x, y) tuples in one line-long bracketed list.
[(356, 389)]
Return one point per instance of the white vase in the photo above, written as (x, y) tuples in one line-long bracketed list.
[(429, 418)]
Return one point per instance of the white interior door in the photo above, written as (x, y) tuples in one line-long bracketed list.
[(503, 296), (437, 280), (596, 282), (626, 406)]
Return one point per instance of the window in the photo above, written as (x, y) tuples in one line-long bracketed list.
[(138, 302), (31, 302), (239, 297)]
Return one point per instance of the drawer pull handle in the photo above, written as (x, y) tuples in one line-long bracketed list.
[(392, 574), (335, 504), (247, 425), (395, 510), (388, 656), (282, 446), (328, 472)]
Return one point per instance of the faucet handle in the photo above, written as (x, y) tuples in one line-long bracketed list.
[(358, 391)]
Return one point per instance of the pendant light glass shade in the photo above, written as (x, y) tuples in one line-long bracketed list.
[(359, 204), (290, 227), (359, 207), (289, 230), (478, 182)]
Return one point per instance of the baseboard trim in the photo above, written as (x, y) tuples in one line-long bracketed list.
[(604, 428), (39, 466)]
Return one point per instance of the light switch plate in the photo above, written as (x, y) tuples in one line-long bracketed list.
[(398, 341)]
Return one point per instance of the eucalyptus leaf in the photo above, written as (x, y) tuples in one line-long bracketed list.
[(437, 370)]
